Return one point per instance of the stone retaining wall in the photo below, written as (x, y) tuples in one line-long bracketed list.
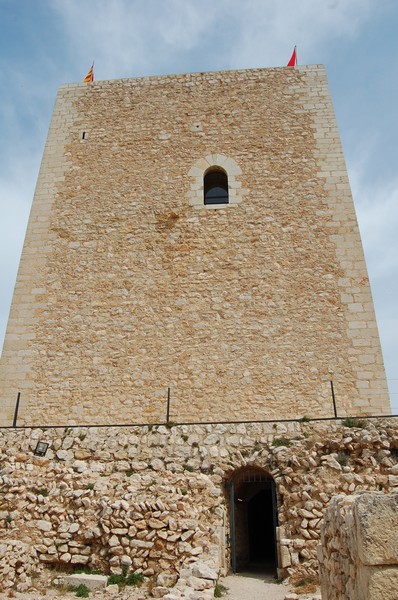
[(359, 548), (153, 499)]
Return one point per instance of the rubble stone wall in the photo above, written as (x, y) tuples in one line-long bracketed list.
[(153, 498), (125, 288), (358, 553)]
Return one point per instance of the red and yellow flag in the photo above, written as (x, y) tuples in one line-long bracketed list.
[(90, 75), (293, 59)]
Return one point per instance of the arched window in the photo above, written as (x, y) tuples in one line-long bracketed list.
[(215, 183), (215, 186)]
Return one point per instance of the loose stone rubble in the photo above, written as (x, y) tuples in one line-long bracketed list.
[(152, 500)]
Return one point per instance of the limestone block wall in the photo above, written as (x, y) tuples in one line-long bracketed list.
[(358, 553), (29, 301), (128, 285), (155, 498)]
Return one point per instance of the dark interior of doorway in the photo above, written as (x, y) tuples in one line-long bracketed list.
[(255, 527), (261, 530)]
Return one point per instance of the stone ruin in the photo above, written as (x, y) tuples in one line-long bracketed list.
[(358, 553)]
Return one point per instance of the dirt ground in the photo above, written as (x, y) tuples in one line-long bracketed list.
[(248, 586), (253, 587), (256, 587)]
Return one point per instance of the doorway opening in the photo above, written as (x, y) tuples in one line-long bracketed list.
[(253, 521)]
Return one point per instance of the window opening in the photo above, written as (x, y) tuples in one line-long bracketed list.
[(215, 183), (216, 187)]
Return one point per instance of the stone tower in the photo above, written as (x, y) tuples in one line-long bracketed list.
[(193, 232)]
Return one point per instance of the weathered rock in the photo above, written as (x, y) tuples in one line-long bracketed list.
[(202, 570), (44, 525), (358, 556), (64, 454), (166, 579), (156, 523), (159, 591), (200, 584), (92, 582), (79, 559), (113, 541)]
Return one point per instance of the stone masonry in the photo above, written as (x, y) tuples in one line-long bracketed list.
[(129, 285), (359, 548), (154, 500)]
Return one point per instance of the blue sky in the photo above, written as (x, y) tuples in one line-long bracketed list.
[(44, 43)]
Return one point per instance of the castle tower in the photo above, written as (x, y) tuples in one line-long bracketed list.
[(193, 232)]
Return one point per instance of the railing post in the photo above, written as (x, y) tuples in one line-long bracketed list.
[(168, 406), (334, 400), (14, 423)]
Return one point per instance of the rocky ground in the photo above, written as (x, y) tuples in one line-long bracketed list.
[(232, 587), (253, 587), (237, 588)]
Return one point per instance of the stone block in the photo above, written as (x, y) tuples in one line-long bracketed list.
[(285, 559), (160, 591), (376, 518), (92, 582), (79, 559), (44, 525), (166, 579), (378, 583), (203, 571)]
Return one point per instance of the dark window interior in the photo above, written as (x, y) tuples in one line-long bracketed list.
[(216, 187)]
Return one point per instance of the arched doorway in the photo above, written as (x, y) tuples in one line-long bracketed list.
[(253, 521)]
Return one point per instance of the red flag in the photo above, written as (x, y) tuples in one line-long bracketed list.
[(90, 75), (293, 60)]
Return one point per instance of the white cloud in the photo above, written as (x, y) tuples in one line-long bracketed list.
[(127, 36), (270, 29)]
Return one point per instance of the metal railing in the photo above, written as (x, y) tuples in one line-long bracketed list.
[(169, 422)]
